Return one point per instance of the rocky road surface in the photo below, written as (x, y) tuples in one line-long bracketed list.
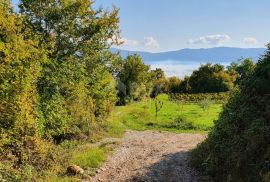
[(144, 156)]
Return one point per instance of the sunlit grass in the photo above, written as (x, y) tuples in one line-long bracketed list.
[(89, 157), (141, 115)]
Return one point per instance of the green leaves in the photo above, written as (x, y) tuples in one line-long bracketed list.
[(238, 146), (136, 80), (56, 74), (210, 79)]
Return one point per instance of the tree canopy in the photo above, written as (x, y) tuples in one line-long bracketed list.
[(56, 75)]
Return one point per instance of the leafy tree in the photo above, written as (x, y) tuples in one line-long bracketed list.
[(242, 69), (211, 78), (158, 73), (184, 86), (56, 78), (160, 83), (76, 87), (136, 79), (158, 106), (173, 84)]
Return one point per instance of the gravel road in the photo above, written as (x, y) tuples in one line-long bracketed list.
[(151, 156)]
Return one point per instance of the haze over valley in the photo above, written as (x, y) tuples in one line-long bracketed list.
[(184, 61)]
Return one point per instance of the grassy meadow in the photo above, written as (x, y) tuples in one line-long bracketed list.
[(141, 116)]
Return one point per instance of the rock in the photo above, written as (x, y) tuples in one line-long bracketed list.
[(98, 171), (74, 170)]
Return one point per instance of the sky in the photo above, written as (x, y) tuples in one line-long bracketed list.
[(165, 25)]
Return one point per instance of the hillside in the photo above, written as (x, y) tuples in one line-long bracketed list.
[(214, 55)]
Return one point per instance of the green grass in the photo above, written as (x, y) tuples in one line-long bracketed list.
[(84, 155), (89, 157), (141, 115)]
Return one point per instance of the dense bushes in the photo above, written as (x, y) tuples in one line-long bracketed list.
[(56, 78), (20, 68), (238, 148), (196, 98)]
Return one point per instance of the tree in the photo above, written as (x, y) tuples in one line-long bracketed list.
[(160, 83), (158, 73), (76, 87), (136, 79), (243, 69), (211, 78), (56, 78), (184, 86), (158, 106), (173, 84)]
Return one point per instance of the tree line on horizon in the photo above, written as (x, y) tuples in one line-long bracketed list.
[(208, 78)]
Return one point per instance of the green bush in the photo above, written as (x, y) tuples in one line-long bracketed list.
[(205, 104), (238, 147), (181, 123)]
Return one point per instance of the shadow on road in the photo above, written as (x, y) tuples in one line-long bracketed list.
[(172, 168)]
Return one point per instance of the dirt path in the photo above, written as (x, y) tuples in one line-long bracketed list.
[(151, 156)]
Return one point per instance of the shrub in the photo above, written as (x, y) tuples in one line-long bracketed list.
[(238, 147), (181, 123), (205, 104)]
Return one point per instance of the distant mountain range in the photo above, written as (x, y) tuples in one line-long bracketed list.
[(213, 55)]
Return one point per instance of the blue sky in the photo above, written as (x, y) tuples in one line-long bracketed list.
[(159, 25)]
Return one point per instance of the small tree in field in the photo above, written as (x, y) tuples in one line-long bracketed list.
[(158, 106), (180, 105), (205, 104)]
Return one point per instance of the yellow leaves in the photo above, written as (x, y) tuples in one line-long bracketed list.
[(20, 69)]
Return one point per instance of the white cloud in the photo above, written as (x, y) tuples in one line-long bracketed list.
[(179, 70), (211, 39), (123, 41), (150, 42), (132, 43), (250, 40)]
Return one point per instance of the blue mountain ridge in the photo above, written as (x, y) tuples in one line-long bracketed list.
[(212, 55)]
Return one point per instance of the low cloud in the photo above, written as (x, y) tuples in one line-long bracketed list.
[(150, 42), (179, 70), (132, 43), (147, 42), (218, 39), (117, 40), (250, 40)]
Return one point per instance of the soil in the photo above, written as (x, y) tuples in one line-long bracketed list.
[(151, 156)]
